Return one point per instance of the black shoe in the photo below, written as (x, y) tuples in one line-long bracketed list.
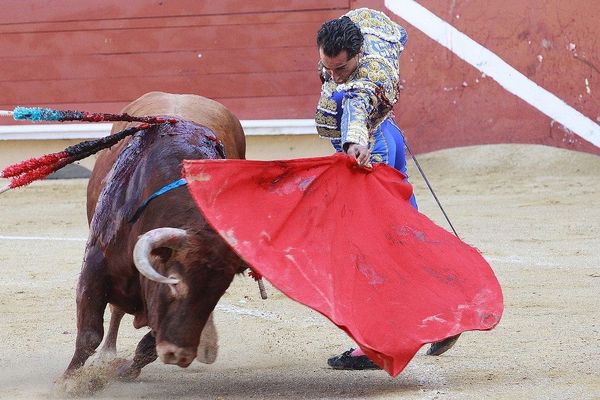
[(347, 361), (439, 348)]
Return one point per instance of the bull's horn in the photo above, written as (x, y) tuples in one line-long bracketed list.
[(173, 238)]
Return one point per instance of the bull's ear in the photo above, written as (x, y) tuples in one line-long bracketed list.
[(162, 253)]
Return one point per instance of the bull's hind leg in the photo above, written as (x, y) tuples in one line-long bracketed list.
[(145, 353), (91, 303), (109, 348)]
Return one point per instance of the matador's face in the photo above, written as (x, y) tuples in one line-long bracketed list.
[(339, 67)]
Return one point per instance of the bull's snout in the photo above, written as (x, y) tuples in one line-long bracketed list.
[(171, 354)]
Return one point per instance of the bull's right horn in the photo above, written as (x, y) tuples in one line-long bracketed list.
[(172, 238)]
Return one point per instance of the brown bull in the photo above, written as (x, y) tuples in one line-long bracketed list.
[(183, 271)]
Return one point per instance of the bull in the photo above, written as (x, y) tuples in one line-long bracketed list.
[(181, 267)]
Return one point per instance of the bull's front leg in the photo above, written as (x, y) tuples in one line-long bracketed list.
[(91, 303), (209, 342), (145, 353)]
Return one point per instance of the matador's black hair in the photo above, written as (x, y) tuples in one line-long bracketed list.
[(340, 34)]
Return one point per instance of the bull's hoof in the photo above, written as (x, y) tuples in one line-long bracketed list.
[(439, 348), (126, 372), (82, 382)]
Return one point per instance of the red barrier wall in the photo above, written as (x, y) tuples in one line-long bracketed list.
[(447, 102), (259, 59)]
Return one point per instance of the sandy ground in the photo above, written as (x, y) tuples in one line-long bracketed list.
[(531, 210)]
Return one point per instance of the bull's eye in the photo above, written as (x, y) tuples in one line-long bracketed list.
[(172, 293), (177, 290), (173, 290)]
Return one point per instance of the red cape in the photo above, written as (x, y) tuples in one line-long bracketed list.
[(345, 241)]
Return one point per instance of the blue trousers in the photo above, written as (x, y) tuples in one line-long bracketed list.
[(387, 146)]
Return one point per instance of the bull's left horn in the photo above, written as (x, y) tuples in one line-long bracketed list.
[(172, 238)]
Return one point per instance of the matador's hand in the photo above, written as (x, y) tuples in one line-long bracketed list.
[(360, 153)]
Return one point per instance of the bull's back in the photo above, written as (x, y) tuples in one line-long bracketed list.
[(190, 107)]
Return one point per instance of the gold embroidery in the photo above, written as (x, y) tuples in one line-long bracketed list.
[(322, 119), (375, 23), (357, 133), (327, 104), (328, 133)]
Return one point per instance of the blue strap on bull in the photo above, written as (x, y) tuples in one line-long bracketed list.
[(165, 189)]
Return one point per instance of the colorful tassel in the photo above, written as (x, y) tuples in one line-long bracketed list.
[(48, 114), (32, 164), (25, 172), (37, 114), (33, 169)]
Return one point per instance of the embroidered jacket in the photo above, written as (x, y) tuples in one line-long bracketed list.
[(368, 95)]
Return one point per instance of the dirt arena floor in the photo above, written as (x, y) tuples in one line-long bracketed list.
[(533, 212)]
